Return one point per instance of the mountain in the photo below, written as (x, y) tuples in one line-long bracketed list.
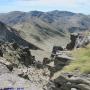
[(8, 34), (46, 29), (66, 69)]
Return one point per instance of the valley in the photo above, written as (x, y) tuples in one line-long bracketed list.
[(44, 50)]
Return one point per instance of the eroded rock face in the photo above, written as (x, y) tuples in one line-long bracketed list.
[(15, 54), (61, 61), (78, 40), (25, 56), (73, 39), (82, 41)]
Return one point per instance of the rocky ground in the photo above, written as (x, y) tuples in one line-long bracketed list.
[(70, 80), (18, 69), (21, 71)]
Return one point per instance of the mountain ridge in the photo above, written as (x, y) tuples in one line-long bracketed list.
[(8, 34), (47, 29)]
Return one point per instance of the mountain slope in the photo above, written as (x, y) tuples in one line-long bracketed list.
[(8, 34), (46, 29)]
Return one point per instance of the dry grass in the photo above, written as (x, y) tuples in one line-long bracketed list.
[(81, 62)]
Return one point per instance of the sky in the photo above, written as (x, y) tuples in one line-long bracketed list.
[(78, 6)]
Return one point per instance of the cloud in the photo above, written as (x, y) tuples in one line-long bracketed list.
[(27, 0), (45, 5), (48, 5), (55, 2), (51, 3)]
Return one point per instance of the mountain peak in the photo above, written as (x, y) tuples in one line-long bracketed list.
[(16, 12), (62, 13), (36, 13)]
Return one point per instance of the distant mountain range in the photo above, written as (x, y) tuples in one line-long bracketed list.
[(46, 29)]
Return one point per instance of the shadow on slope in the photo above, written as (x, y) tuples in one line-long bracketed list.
[(8, 34)]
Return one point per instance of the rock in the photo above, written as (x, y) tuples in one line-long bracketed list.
[(82, 41), (10, 80), (73, 38), (46, 61), (83, 87), (74, 89), (10, 67), (6, 63), (24, 76), (15, 45), (1, 53), (25, 56), (55, 50), (3, 69), (51, 64), (73, 83), (39, 65), (16, 55), (61, 61), (78, 40)]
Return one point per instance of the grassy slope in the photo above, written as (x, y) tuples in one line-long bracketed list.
[(81, 62)]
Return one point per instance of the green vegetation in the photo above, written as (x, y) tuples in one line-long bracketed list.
[(81, 62)]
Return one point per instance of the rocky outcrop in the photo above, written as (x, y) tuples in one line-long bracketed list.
[(19, 69), (71, 45), (82, 41), (16, 55), (71, 82), (25, 56), (78, 40), (61, 61), (57, 48)]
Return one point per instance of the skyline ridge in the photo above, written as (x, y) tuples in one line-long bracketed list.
[(43, 11), (78, 6)]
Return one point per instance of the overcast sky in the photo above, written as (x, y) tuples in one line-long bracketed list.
[(78, 6)]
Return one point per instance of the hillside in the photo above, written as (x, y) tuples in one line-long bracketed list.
[(8, 34), (81, 62), (66, 69), (46, 29)]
